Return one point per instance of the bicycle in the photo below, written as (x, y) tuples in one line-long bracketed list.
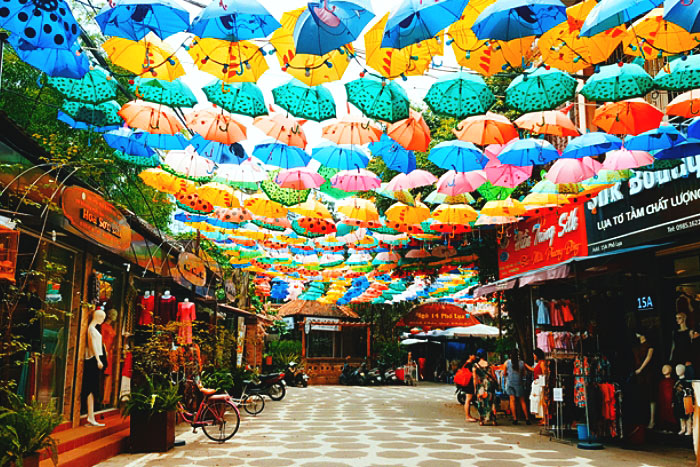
[(251, 403), (217, 415)]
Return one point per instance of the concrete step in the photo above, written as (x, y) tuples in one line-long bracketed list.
[(89, 454), (74, 437)]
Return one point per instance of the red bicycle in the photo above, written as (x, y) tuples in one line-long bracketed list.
[(217, 415)]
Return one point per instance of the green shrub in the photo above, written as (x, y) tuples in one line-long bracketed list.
[(151, 397), (284, 351)]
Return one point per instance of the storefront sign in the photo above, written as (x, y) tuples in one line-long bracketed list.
[(649, 207), (322, 327), (543, 241), (192, 268), (96, 218), (437, 315)]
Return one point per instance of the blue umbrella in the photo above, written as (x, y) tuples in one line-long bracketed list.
[(395, 156), (417, 20), (330, 24), (64, 63), (694, 128), (610, 13), (129, 142), (281, 155), (167, 142), (679, 151), (512, 19), (683, 13), (42, 24), (341, 156), (460, 156), (133, 19), (234, 20), (73, 123), (522, 152), (219, 152), (663, 137), (590, 145)]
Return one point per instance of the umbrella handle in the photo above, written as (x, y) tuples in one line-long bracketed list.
[(365, 126), (295, 130), (692, 111), (150, 121), (223, 88)]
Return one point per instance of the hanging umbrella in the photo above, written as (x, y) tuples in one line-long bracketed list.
[(106, 113), (165, 182), (625, 159), (455, 214), (453, 183), (506, 175), (683, 13), (327, 173), (241, 61), (506, 207), (412, 133), (540, 89), (312, 208), (234, 20), (686, 105), (406, 214), (352, 130), (42, 25), (513, 19), (628, 117), (544, 186), (281, 155), (95, 87), (528, 152), (457, 155), (617, 82), (486, 129), (173, 93), (663, 137), (547, 122), (284, 129), (359, 209), (220, 153), (61, 116), (652, 36), (191, 202), (610, 13), (491, 192), (571, 171), (219, 194), (313, 103), (590, 145), (153, 118), (459, 95), (330, 24), (679, 151), (355, 180), (188, 164), (395, 156), (245, 175), (133, 19), (413, 60), (378, 98), (494, 220), (216, 125), (150, 57), (307, 68), (63, 63), (415, 21), (300, 178), (129, 142), (414, 179), (693, 129), (261, 206), (284, 196), (435, 197), (680, 74), (138, 161), (538, 200), (238, 98), (167, 142), (341, 156), (236, 215)]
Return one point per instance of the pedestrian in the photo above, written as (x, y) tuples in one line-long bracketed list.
[(514, 372), (485, 383), (469, 388), (539, 395)]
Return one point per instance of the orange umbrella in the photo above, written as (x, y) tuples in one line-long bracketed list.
[(653, 36), (216, 125), (260, 205), (628, 117), (150, 117), (686, 105), (548, 122), (352, 130), (166, 182), (412, 133), (284, 129), (405, 214), (486, 129)]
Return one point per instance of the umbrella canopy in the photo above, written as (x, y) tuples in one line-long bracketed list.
[(378, 98), (513, 19), (506, 175), (457, 155), (220, 195), (683, 13), (610, 13), (486, 129), (663, 137), (356, 180), (679, 151), (590, 145), (327, 173), (414, 179), (188, 164), (528, 152), (234, 20), (406, 214), (456, 214), (281, 155), (173, 93), (238, 98), (312, 208), (686, 105), (218, 152), (102, 114), (352, 130), (261, 206), (330, 24), (95, 87), (133, 19), (63, 63), (43, 25), (284, 129), (216, 125), (341, 156), (694, 129), (395, 156), (241, 61), (150, 57), (310, 102), (359, 209), (617, 82), (129, 142), (412, 133), (415, 21), (435, 197), (284, 196), (165, 182), (652, 36), (625, 159), (506, 207), (459, 95), (300, 178), (540, 89), (628, 117), (153, 118), (547, 122), (572, 170), (245, 175), (680, 74), (453, 183)]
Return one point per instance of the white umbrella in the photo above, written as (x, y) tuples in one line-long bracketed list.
[(416, 341), (477, 330)]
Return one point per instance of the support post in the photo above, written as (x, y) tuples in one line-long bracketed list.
[(369, 335), (303, 338)]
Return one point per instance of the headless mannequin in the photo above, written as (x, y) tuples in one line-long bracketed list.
[(146, 294), (687, 420), (94, 349), (166, 294), (643, 372)]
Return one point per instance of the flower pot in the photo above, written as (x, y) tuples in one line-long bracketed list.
[(31, 461), (152, 432)]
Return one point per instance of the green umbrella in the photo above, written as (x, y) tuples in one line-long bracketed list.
[(311, 102), (617, 82), (492, 192), (327, 188), (237, 98), (384, 229), (95, 87), (541, 89), (378, 98), (95, 114), (138, 161), (171, 93), (284, 196), (459, 95), (660, 164), (683, 74), (265, 225), (435, 197)]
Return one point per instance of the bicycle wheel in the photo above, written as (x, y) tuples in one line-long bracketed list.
[(277, 392), (224, 418), (253, 404)]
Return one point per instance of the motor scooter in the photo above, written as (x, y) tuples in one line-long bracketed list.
[(295, 376), (271, 385)]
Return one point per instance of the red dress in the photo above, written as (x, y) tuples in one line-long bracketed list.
[(108, 335), (147, 308), (185, 315), (665, 403)]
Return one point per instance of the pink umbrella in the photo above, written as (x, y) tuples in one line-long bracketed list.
[(411, 180), (455, 183), (300, 178), (493, 150), (355, 180), (592, 164), (622, 159), (569, 171), (506, 175)]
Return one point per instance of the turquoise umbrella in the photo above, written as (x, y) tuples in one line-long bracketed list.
[(237, 98), (617, 82), (146, 162), (540, 89), (378, 98), (95, 114), (171, 93), (459, 95), (683, 74), (311, 102), (95, 87)]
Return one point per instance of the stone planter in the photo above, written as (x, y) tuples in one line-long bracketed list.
[(152, 432)]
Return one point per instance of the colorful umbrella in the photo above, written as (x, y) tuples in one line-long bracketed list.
[(42, 25), (153, 118), (284, 196), (663, 137), (506, 207), (133, 19), (406, 214), (261, 206), (457, 155), (547, 122), (679, 151), (491, 192), (628, 117), (680, 74), (352, 130), (302, 101), (617, 82), (301, 178), (528, 152), (150, 57), (129, 142), (652, 36), (378, 98), (173, 93), (281, 155), (218, 152), (460, 214), (106, 113), (486, 129), (241, 61), (216, 125), (514, 19), (625, 159), (221, 195), (63, 63), (188, 164), (683, 13), (435, 197), (395, 156), (414, 179), (165, 182), (330, 24), (459, 95), (355, 180), (546, 187), (246, 175), (610, 13), (415, 21), (686, 105), (694, 128), (327, 173), (341, 156), (412, 133), (312, 208), (139, 161), (572, 170), (506, 175), (61, 116), (359, 209), (539, 200), (234, 20), (453, 183), (238, 98), (284, 129), (95, 87), (590, 145), (540, 89)]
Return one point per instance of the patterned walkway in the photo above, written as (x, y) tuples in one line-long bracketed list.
[(330, 426)]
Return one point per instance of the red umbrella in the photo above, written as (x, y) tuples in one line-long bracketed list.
[(628, 117), (486, 129), (412, 133)]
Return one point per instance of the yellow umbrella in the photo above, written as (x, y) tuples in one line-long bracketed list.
[(652, 36), (260, 205), (359, 209), (405, 214), (455, 214), (309, 69), (544, 199), (150, 58), (312, 208), (413, 60), (508, 207), (229, 61), (166, 182), (219, 194)]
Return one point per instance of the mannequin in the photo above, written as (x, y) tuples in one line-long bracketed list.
[(108, 335), (681, 389), (681, 348), (93, 365), (643, 354), (167, 308), (147, 308), (665, 399), (185, 315)]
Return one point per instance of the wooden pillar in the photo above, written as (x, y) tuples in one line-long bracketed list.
[(84, 319), (369, 348), (303, 338)]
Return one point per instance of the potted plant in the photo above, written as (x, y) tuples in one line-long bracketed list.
[(25, 430), (151, 408)]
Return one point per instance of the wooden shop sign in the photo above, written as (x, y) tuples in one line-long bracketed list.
[(96, 218), (192, 268)]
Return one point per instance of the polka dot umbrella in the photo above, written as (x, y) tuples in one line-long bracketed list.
[(40, 23), (310, 102), (378, 98), (173, 93), (282, 195), (680, 74), (95, 87), (219, 194), (239, 98), (540, 89), (106, 113), (617, 82), (64, 63), (459, 95)]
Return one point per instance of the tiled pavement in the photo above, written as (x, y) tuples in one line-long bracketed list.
[(396, 425)]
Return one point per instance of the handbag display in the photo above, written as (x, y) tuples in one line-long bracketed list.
[(463, 377)]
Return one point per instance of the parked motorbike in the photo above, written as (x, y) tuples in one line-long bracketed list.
[(346, 374), (295, 376), (461, 392), (271, 385), (375, 377)]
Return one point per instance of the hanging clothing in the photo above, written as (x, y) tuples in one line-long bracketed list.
[(682, 347), (543, 342), (147, 309), (185, 315), (555, 314), (542, 312), (537, 395), (167, 309), (581, 372), (566, 312), (665, 403)]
